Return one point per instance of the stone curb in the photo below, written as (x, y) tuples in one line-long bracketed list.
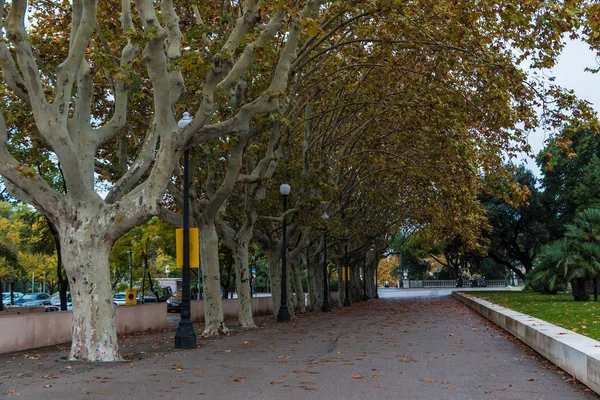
[(576, 354)]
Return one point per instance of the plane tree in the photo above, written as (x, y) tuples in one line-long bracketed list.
[(63, 94)]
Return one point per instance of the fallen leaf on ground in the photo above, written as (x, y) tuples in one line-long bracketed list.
[(238, 380)]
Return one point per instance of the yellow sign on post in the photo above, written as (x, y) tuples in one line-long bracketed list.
[(194, 247), (130, 297), (345, 273)]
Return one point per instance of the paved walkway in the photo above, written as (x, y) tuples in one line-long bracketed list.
[(429, 347)]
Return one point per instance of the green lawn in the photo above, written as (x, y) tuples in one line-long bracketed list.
[(559, 309)]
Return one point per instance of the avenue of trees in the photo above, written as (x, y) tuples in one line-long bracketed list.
[(550, 238), (385, 116)]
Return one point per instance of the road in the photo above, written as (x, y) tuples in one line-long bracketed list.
[(425, 346)]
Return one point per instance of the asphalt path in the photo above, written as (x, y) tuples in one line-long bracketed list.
[(409, 344)]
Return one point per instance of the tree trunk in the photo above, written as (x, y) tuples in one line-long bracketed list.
[(94, 328), (274, 259), (242, 276), (341, 283), (581, 289), (315, 283), (213, 307), (63, 281), (295, 267)]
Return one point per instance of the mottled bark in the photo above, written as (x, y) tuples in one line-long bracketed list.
[(295, 270), (94, 328), (314, 274), (211, 276), (274, 258), (242, 276)]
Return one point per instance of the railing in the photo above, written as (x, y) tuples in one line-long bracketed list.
[(436, 283), (452, 283)]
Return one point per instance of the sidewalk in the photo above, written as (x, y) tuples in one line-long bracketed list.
[(426, 348)]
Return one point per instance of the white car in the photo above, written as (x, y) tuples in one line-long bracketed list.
[(6, 297), (55, 300), (34, 299)]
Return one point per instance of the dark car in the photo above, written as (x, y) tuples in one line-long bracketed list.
[(174, 304)]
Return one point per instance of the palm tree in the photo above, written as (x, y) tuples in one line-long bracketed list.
[(584, 234), (553, 265), (575, 258)]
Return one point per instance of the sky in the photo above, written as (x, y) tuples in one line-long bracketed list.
[(569, 73)]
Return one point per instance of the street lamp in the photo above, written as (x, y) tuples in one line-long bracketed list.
[(347, 283), (326, 307), (284, 315), (185, 337)]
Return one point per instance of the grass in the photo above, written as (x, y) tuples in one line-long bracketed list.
[(559, 309)]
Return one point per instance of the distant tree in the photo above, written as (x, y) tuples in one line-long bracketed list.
[(570, 178), (517, 231), (388, 270)]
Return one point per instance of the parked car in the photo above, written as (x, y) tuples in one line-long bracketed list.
[(120, 299), (174, 303), (55, 300), (34, 299), (6, 297)]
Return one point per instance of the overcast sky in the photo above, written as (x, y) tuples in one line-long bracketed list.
[(570, 74)]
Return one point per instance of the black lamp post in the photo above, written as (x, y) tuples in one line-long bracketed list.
[(376, 281), (347, 274), (364, 296), (185, 337), (284, 314), (326, 307)]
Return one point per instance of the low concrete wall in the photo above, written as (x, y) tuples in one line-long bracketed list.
[(260, 306), (141, 317), (574, 353), (29, 330), (33, 329)]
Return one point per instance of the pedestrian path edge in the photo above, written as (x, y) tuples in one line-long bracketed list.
[(574, 353)]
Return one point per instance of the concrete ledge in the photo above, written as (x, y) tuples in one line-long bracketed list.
[(576, 354), (27, 329), (142, 317), (260, 306)]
